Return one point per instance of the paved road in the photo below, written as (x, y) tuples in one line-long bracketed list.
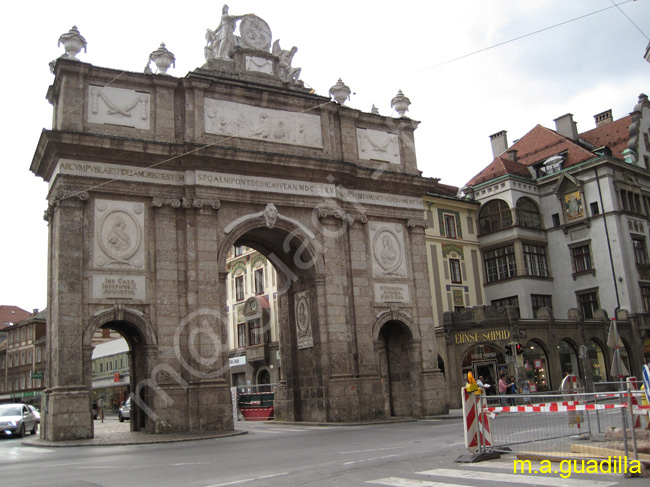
[(400, 454)]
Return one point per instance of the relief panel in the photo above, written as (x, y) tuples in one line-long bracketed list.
[(249, 122), (376, 145), (303, 320), (119, 235), (388, 252), (117, 106)]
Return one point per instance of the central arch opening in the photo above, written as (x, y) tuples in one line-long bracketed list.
[(272, 301)]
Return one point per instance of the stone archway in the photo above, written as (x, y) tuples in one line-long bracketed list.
[(145, 200), (141, 339), (397, 362)]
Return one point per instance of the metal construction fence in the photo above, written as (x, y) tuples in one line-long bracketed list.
[(565, 423)]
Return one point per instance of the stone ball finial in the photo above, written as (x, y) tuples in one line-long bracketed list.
[(162, 58), (73, 42), (400, 103), (340, 92)]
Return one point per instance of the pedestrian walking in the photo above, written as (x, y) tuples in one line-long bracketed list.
[(100, 406), (503, 388), (512, 389)]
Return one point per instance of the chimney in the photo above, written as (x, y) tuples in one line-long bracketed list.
[(603, 118), (35, 311), (499, 143), (565, 125), (512, 155)]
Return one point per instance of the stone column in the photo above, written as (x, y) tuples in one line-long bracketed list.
[(67, 399)]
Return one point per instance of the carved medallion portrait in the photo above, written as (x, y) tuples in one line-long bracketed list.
[(303, 320), (388, 253), (119, 234), (255, 33)]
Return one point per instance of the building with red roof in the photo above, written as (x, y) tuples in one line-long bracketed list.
[(563, 225)]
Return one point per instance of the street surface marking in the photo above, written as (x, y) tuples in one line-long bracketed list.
[(398, 482), (373, 449), (516, 478), (369, 459), (249, 480)]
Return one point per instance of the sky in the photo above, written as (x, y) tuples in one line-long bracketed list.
[(470, 69)]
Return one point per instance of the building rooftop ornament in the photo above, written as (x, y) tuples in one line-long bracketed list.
[(340, 92), (255, 35), (162, 58), (73, 42), (400, 103), (374, 109), (287, 73)]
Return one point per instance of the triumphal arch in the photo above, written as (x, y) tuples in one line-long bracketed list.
[(153, 178)]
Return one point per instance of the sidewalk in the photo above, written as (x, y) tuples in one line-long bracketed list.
[(113, 433)]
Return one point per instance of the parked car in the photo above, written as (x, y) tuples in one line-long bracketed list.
[(36, 413), (15, 419), (124, 411), (95, 410)]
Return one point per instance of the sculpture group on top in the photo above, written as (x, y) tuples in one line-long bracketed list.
[(255, 34)]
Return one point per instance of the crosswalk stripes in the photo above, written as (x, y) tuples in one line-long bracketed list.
[(480, 477)]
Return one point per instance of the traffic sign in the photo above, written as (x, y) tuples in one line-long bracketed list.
[(646, 381)]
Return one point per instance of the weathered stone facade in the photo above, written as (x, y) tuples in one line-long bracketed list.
[(153, 179)]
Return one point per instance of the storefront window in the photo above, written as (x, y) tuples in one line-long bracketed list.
[(597, 361), (536, 368), (568, 358), (486, 361)]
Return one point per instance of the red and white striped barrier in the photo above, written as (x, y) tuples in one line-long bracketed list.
[(476, 420), (553, 408)]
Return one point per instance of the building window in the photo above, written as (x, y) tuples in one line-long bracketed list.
[(454, 268), (528, 213), (640, 253), (259, 281), (509, 301), (581, 258), (500, 263), (239, 251), (556, 219), (38, 355), (540, 301), (29, 357), (535, 260), (239, 288), (588, 302), (645, 296), (594, 208), (495, 215), (241, 335), (254, 332), (450, 226)]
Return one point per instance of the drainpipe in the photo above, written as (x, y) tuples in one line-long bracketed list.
[(609, 245)]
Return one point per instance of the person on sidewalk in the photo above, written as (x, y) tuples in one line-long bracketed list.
[(100, 406), (503, 388), (482, 385)]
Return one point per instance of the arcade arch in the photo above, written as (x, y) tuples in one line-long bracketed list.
[(141, 341)]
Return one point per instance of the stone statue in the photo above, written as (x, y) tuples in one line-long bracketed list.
[(287, 73), (222, 39)]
